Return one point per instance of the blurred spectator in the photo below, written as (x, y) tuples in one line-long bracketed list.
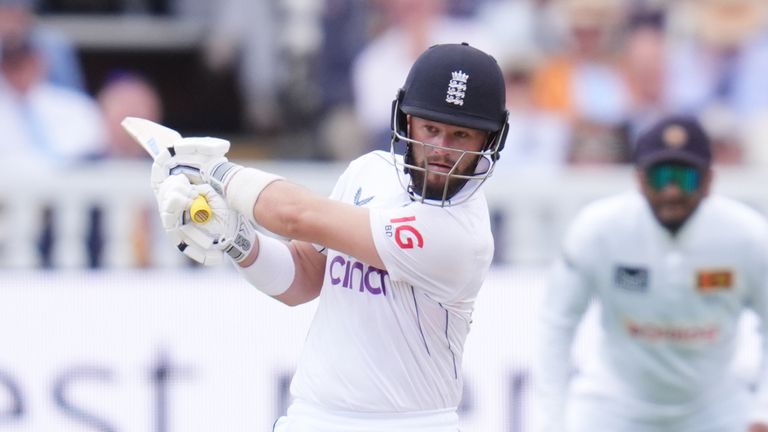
[(514, 22), (411, 27), (106, 6), (43, 125), (244, 35), (42, 122), (270, 43), (537, 139), (644, 64), (583, 81), (719, 61), (345, 29), (63, 64), (127, 94)]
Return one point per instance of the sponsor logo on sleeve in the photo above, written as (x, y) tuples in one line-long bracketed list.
[(710, 280), (631, 278), (404, 233)]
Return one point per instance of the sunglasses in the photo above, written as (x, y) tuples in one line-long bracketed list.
[(686, 177)]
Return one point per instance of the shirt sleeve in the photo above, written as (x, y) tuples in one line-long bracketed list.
[(435, 249), (566, 299), (759, 304)]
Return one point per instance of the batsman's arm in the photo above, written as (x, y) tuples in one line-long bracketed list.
[(292, 211), (292, 272), (310, 268)]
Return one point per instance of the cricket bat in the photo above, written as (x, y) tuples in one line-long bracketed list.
[(155, 139)]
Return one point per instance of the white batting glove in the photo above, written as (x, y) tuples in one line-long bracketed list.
[(189, 156), (202, 160), (225, 232)]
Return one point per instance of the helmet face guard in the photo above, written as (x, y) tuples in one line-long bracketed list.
[(457, 85), (458, 186)]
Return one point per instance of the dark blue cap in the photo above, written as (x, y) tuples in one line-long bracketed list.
[(674, 139), (456, 84)]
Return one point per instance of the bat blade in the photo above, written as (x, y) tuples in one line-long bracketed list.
[(154, 138)]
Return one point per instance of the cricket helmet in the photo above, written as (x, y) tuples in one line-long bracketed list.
[(459, 85)]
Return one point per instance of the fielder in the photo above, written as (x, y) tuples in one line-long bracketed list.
[(396, 255), (672, 268)]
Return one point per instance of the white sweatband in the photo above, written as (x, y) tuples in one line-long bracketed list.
[(274, 270), (244, 188)]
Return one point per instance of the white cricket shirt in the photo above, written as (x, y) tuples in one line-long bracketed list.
[(391, 340), (670, 305)]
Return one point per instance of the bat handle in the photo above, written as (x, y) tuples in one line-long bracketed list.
[(200, 210)]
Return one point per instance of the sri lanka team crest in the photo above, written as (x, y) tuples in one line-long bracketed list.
[(710, 280), (406, 236)]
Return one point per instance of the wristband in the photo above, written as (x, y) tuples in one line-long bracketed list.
[(240, 186), (273, 271), (220, 174)]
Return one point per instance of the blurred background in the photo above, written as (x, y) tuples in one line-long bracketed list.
[(105, 326)]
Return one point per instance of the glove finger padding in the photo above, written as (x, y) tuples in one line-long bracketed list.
[(198, 241), (226, 231), (203, 256), (188, 156), (174, 196)]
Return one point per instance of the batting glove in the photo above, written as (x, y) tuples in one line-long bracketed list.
[(226, 231), (189, 156)]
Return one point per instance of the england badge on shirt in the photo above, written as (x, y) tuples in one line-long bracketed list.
[(631, 278)]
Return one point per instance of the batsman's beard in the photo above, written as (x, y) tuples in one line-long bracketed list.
[(443, 185)]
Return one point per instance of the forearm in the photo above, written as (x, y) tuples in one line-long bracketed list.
[(760, 410), (294, 212), (310, 268), (281, 207), (291, 273), (552, 372), (563, 307), (758, 303), (291, 211)]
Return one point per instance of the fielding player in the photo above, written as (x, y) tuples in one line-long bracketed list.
[(396, 255), (672, 268)]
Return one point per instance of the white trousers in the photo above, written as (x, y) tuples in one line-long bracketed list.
[(305, 417)]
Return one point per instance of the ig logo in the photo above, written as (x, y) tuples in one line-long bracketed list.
[(406, 236)]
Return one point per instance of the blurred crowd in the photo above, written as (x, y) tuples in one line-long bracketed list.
[(583, 76)]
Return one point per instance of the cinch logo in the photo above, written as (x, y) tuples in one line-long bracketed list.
[(406, 236), (356, 275)]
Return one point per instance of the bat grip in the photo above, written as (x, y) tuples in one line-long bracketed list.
[(200, 211)]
